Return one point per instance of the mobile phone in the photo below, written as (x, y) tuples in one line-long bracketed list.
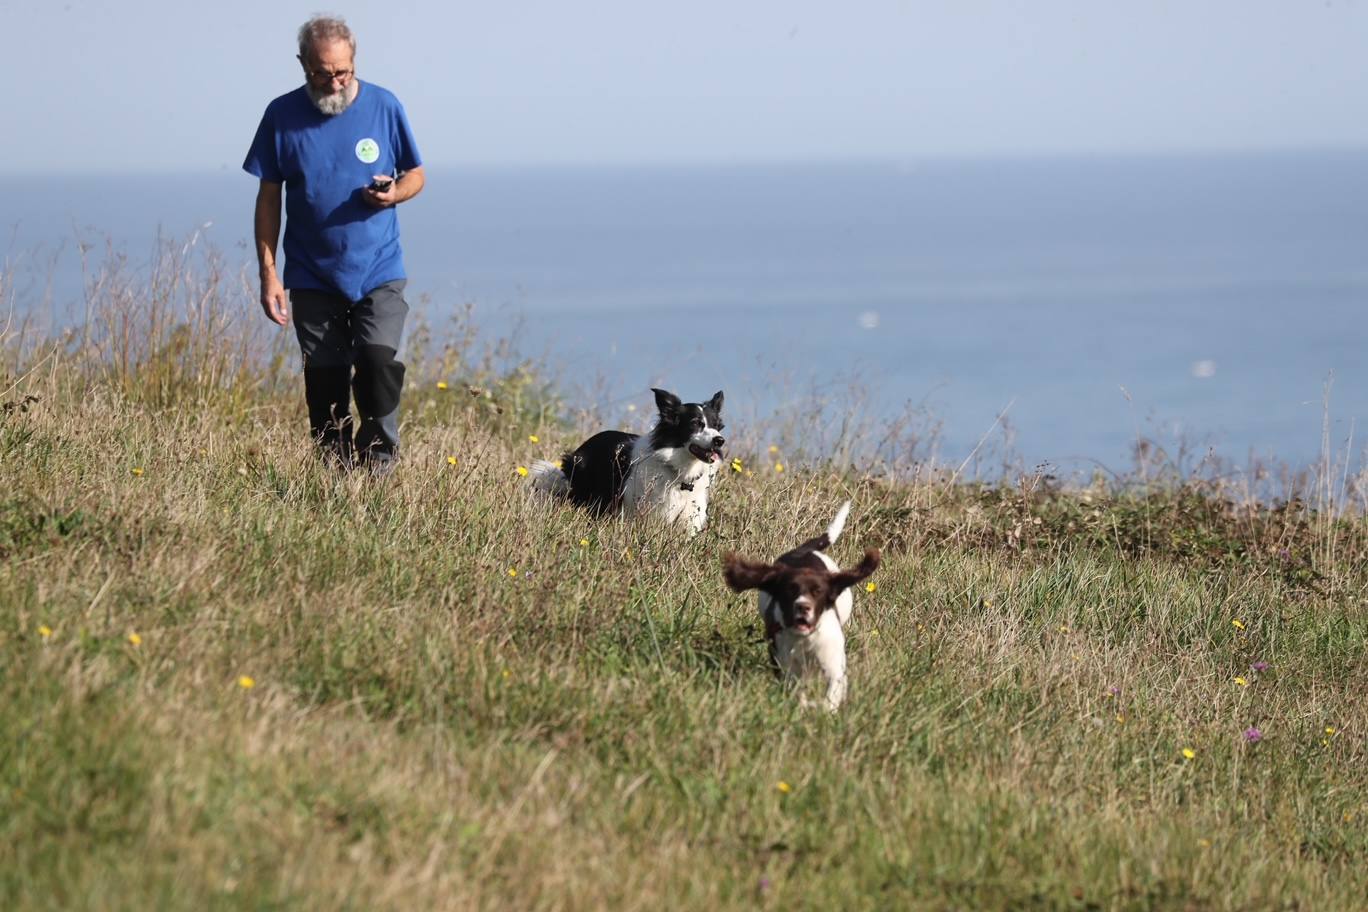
[(381, 184)]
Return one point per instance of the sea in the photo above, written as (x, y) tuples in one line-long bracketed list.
[(1046, 314)]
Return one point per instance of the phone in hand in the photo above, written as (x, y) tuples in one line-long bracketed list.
[(381, 183)]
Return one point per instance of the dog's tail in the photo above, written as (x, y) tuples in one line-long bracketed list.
[(821, 542), (833, 531), (547, 478)]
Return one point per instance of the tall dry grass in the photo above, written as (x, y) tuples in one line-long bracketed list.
[(460, 698)]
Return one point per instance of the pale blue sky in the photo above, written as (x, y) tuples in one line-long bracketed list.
[(180, 86)]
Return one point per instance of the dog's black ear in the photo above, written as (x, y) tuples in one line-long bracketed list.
[(847, 578), (715, 403), (668, 403), (742, 574)]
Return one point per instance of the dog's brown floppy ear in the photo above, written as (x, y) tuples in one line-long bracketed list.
[(847, 578), (742, 574)]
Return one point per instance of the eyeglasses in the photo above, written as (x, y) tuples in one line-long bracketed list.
[(323, 74)]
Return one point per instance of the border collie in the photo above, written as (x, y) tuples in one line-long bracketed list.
[(665, 473), (805, 600)]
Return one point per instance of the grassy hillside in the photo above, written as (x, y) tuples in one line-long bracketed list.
[(231, 678)]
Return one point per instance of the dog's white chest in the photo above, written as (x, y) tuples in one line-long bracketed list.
[(820, 654), (673, 493), (822, 651), (688, 501)]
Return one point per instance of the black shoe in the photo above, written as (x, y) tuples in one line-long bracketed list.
[(380, 465), (336, 455)]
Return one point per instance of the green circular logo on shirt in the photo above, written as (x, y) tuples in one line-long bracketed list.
[(368, 150)]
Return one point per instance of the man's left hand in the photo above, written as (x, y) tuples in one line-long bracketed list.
[(383, 199)]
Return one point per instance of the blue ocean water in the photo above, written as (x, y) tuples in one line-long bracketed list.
[(1208, 300)]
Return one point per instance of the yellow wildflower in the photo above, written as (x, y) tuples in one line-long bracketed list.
[(1237, 624), (1063, 628), (441, 384), (1329, 729), (1189, 753), (137, 471), (1120, 719), (522, 470), (773, 448), (584, 542), (44, 631), (1241, 681), (557, 464), (451, 460), (135, 639), (784, 787), (778, 467), (871, 586), (512, 572), (246, 682), (736, 465), (507, 674), (534, 438)]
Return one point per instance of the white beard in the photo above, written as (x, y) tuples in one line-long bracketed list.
[(333, 103)]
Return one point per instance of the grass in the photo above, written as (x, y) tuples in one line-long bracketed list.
[(426, 729)]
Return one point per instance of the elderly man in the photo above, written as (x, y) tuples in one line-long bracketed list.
[(343, 151)]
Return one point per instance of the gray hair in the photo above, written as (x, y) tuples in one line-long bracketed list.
[(322, 29)]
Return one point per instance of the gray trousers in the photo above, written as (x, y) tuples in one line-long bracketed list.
[(350, 347)]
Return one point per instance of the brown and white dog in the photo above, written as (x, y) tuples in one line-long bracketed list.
[(805, 601)]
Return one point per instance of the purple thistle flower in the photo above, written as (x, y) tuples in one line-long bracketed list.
[(1115, 691), (1260, 666), (1252, 735)]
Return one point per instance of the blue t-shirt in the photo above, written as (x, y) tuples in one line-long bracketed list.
[(334, 240)]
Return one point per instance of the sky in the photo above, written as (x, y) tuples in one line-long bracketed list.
[(162, 86)]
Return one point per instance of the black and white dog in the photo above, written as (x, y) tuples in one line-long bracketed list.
[(665, 473)]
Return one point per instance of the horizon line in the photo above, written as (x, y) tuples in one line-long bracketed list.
[(741, 163)]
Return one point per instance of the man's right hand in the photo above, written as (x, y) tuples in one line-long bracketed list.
[(273, 300)]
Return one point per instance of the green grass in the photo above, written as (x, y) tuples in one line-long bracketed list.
[(601, 730)]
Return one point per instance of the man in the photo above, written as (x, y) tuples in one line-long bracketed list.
[(344, 153)]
